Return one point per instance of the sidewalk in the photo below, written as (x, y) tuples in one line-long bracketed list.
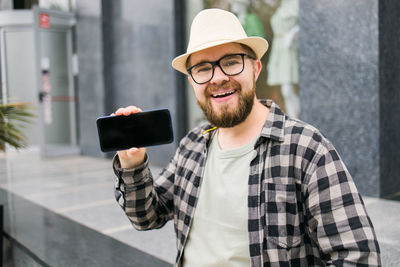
[(81, 188)]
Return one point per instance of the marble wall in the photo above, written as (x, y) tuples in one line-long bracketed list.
[(343, 50)]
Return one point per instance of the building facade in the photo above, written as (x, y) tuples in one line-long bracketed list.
[(329, 64)]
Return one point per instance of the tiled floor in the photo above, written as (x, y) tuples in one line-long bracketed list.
[(81, 188)]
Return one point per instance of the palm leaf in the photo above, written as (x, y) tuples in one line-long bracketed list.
[(13, 118)]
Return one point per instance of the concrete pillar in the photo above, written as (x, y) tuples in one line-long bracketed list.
[(91, 90), (125, 49), (139, 45)]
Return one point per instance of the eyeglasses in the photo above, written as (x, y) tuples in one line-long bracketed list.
[(230, 65)]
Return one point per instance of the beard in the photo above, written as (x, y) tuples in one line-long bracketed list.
[(228, 116)]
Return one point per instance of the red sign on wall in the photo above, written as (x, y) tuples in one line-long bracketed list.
[(44, 20)]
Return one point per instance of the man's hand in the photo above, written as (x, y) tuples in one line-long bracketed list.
[(132, 157)]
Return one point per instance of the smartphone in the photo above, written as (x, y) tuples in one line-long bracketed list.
[(147, 128)]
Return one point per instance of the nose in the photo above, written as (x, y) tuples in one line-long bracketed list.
[(219, 76)]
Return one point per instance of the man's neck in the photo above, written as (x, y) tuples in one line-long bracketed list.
[(243, 133)]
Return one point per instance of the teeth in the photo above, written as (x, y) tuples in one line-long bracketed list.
[(223, 94)]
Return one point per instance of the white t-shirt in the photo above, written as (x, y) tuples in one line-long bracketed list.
[(219, 235)]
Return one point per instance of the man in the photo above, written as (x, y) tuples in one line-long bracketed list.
[(253, 187)]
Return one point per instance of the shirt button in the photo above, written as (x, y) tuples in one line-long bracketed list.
[(187, 219)]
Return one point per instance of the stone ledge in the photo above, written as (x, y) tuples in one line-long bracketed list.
[(58, 241)]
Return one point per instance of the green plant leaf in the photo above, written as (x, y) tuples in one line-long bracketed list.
[(13, 118)]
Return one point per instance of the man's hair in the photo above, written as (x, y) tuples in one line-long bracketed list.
[(246, 48), (249, 51)]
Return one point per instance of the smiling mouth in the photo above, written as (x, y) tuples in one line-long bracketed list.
[(224, 94)]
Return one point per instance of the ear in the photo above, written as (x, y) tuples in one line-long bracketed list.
[(257, 68)]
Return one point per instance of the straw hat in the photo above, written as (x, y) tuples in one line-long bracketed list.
[(212, 27)]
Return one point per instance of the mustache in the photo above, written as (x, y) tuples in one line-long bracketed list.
[(226, 85)]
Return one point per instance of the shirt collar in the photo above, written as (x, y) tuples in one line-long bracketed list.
[(274, 125)]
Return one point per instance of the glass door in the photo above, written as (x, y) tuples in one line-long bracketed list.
[(57, 98)]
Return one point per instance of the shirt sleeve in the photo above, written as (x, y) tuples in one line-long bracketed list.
[(336, 216), (148, 204)]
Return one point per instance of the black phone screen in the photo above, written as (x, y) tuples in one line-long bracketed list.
[(148, 128)]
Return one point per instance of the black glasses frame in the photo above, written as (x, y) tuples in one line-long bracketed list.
[(217, 63)]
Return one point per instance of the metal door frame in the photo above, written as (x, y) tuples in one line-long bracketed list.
[(12, 21), (15, 20), (59, 22)]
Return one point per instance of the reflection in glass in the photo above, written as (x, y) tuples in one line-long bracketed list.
[(283, 62)]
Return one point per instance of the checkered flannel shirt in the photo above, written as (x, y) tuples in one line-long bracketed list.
[(303, 206)]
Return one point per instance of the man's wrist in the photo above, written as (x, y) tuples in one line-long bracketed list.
[(131, 176)]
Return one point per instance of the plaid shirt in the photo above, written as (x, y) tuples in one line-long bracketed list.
[(303, 206)]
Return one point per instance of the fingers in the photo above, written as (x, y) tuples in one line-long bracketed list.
[(127, 111)]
